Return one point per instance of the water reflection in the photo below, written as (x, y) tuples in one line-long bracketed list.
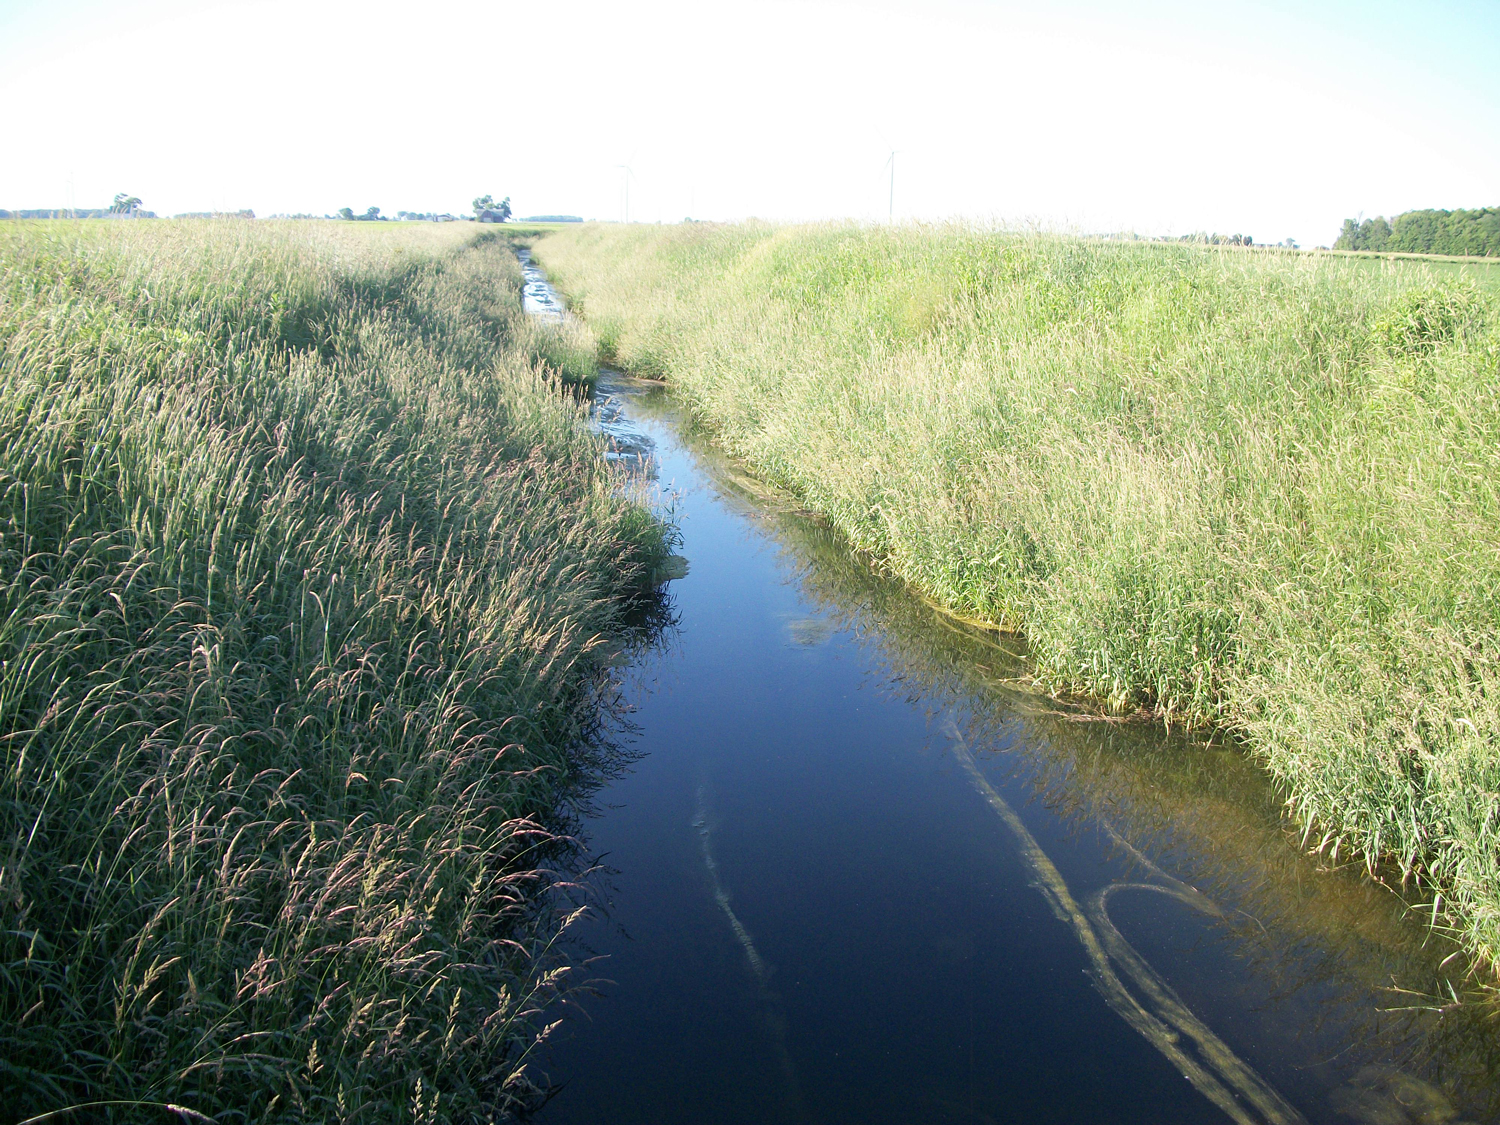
[(537, 295), (1282, 990), (1335, 983)]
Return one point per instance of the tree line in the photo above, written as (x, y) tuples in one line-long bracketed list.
[(1474, 233), (486, 210)]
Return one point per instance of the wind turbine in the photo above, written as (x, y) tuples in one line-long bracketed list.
[(629, 175), (890, 162)]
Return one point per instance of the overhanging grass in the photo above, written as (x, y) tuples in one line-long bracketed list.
[(303, 554), (1240, 488)]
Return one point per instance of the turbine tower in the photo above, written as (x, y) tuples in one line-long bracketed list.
[(890, 162), (890, 203), (628, 176)]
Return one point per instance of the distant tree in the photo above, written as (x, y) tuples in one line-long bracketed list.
[(500, 211), (346, 212), (125, 203), (1372, 234), (1448, 232), (371, 214)]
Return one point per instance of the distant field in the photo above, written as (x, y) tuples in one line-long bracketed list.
[(1484, 272), (306, 555), (1244, 488)]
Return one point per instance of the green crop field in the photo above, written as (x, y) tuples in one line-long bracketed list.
[(308, 554), (1483, 273), (1243, 489)]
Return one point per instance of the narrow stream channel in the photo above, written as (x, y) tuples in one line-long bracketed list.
[(860, 873)]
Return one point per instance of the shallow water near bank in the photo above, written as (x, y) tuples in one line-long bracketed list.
[(860, 872)]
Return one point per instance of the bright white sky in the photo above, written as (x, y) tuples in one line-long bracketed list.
[(1273, 118)]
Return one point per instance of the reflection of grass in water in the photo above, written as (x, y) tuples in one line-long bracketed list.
[(1328, 939), (1241, 487), (1203, 810), (1381, 1096)]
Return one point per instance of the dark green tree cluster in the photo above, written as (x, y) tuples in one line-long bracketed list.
[(487, 210), (1427, 232), (1217, 239)]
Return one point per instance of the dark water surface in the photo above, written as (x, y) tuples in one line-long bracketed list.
[(861, 873)]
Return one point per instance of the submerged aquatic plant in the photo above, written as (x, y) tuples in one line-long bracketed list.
[(1231, 487), (1347, 977)]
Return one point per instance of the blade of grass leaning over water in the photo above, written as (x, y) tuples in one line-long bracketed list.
[(305, 551), (1239, 488)]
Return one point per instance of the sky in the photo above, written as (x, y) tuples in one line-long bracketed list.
[(1262, 117)]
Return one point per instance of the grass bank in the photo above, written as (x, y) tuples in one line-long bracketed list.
[(1239, 488), (1351, 974), (304, 552)]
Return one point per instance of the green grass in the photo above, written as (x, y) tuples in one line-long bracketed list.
[(1347, 964), (305, 557), (1235, 488), (1483, 272)]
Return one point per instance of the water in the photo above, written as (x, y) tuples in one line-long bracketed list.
[(861, 872), (537, 295)]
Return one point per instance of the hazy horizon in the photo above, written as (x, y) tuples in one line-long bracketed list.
[(1270, 119)]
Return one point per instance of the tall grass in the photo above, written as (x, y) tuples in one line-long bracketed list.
[(303, 555), (1344, 972), (1235, 487)]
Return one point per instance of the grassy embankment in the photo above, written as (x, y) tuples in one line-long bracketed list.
[(1340, 969), (305, 555), (1240, 488)]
